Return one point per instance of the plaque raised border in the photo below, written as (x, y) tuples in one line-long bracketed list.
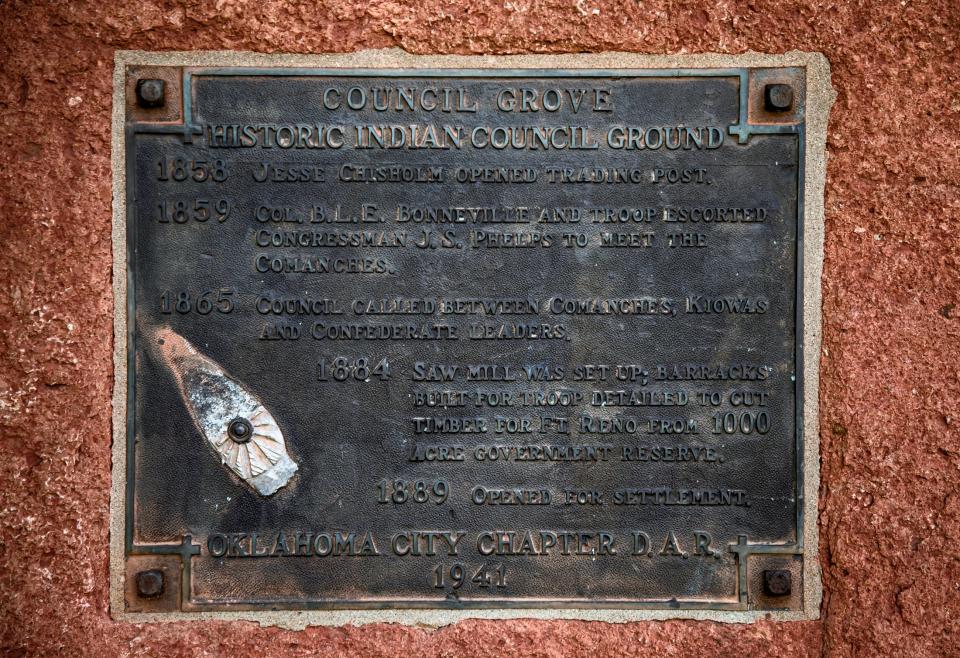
[(811, 128)]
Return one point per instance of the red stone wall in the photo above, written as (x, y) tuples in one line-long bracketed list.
[(890, 396)]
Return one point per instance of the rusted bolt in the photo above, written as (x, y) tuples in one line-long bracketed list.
[(778, 97), (240, 430), (150, 92), (777, 582), (150, 584)]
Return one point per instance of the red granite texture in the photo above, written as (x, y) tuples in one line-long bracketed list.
[(890, 503)]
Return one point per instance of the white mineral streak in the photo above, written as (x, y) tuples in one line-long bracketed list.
[(214, 399)]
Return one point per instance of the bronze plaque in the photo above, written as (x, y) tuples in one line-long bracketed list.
[(453, 338)]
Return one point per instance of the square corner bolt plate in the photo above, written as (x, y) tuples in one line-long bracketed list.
[(463, 339)]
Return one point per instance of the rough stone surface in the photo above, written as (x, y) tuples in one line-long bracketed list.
[(890, 393)]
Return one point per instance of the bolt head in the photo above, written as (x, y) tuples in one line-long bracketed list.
[(150, 584), (150, 92), (777, 582), (778, 97), (240, 430)]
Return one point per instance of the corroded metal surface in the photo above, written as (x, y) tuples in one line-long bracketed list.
[(526, 338)]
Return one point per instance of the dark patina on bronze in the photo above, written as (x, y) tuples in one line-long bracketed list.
[(465, 339)]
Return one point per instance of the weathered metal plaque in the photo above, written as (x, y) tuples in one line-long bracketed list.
[(463, 339)]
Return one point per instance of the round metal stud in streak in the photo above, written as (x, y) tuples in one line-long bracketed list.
[(240, 430)]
